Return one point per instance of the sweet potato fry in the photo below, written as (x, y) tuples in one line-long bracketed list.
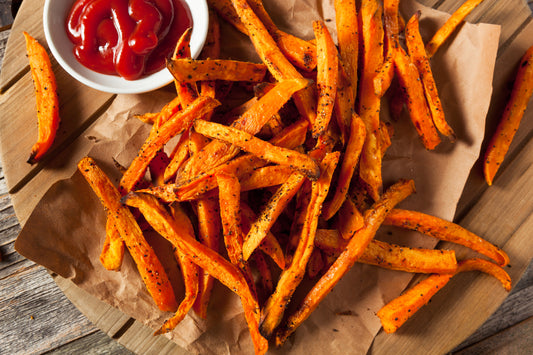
[(512, 115), (353, 251), (45, 87), (451, 24), (148, 265), (349, 219), (445, 230), (216, 153), (383, 79), (175, 125), (390, 256), (278, 65), (191, 70), (209, 234), (266, 176), (270, 245), (270, 213), (113, 250), (416, 100), (300, 52), (349, 162), (224, 271), (348, 39), (395, 313), (262, 149), (369, 104), (417, 52), (327, 72), (179, 156), (344, 105), (290, 277)]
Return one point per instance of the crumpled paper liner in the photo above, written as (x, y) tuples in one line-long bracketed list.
[(66, 229)]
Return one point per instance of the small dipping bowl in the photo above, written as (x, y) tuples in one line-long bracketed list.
[(55, 13)]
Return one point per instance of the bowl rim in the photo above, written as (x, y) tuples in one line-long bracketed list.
[(113, 83)]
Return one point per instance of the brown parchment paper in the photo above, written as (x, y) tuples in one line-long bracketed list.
[(65, 231)]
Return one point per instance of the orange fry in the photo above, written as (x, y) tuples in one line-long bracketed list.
[(46, 97), (150, 269), (290, 277), (327, 72), (349, 219), (512, 115), (209, 234), (451, 24), (349, 162), (278, 65), (270, 213), (416, 100), (348, 39), (174, 126), (113, 250), (353, 251), (370, 104), (395, 313), (390, 256), (416, 50), (259, 148), (228, 274), (216, 153), (444, 230), (192, 70)]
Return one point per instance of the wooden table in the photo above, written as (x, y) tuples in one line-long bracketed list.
[(37, 317)]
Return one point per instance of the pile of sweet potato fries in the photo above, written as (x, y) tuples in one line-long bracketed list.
[(287, 184)]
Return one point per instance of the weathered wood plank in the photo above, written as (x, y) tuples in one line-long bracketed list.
[(515, 340), (35, 315), (92, 344), (31, 22), (518, 306)]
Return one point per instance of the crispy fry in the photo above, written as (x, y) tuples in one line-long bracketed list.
[(300, 52), (179, 156), (369, 103), (445, 230), (113, 250), (278, 65), (266, 176), (209, 260), (416, 50), (216, 153), (390, 256), (449, 27), (290, 277), (45, 87), (209, 234), (353, 251), (259, 148), (348, 39), (395, 313), (187, 90), (416, 100), (349, 219), (344, 105), (175, 125), (349, 162), (270, 213), (148, 265), (191, 70), (327, 72), (270, 245), (512, 115)]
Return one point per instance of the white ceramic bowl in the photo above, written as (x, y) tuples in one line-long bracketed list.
[(54, 16)]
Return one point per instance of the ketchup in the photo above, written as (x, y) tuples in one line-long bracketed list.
[(129, 38)]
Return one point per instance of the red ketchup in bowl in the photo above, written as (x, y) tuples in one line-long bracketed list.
[(129, 38)]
